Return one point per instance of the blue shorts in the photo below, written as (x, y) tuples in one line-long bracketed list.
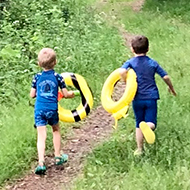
[(43, 118), (145, 110)]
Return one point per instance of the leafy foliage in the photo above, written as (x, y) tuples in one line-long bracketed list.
[(28, 26)]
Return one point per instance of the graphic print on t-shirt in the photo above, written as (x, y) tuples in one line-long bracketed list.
[(46, 88)]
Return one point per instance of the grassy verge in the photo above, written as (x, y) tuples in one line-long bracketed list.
[(176, 9), (17, 141), (165, 164)]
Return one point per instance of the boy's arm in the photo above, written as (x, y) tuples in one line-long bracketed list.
[(33, 93), (33, 87), (123, 74), (167, 80), (67, 94)]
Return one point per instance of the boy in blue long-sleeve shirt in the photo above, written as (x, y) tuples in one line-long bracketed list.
[(45, 88), (145, 100)]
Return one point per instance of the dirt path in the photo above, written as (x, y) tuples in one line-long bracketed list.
[(81, 142), (111, 17), (96, 129)]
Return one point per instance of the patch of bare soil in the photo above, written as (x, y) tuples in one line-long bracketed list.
[(137, 5), (111, 17), (96, 129)]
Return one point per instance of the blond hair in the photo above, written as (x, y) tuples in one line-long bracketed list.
[(47, 58)]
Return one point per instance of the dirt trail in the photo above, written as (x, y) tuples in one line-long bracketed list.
[(96, 129)]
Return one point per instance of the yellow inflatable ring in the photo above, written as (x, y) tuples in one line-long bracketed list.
[(118, 108), (86, 104)]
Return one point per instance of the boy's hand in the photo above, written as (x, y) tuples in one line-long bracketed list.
[(172, 91), (68, 94)]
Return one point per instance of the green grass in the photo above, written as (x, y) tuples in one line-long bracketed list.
[(17, 142), (175, 9)]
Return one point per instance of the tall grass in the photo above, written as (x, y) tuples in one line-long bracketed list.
[(176, 9), (165, 164), (17, 141)]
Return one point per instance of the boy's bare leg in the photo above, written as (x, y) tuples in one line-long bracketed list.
[(41, 143), (139, 139), (56, 139)]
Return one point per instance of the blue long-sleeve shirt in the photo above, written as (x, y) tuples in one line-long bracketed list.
[(145, 69)]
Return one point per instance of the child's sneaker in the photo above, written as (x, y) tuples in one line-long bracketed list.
[(147, 132), (40, 170), (138, 152), (61, 160)]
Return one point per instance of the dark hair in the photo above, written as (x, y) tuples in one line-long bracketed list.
[(140, 44)]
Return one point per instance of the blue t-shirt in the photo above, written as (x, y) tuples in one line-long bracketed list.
[(46, 84), (145, 69)]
